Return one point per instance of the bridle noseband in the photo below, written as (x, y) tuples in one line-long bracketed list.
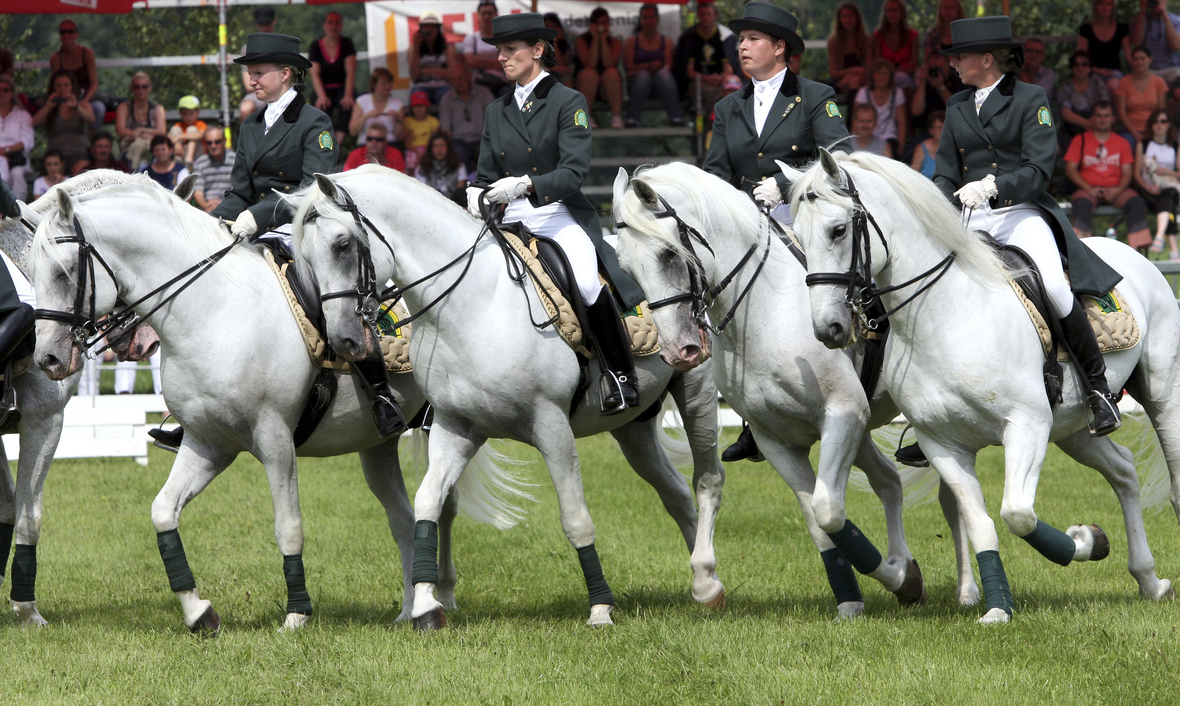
[(859, 277)]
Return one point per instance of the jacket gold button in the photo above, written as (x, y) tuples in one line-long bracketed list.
[(530, 150), (288, 188), (534, 170), (255, 173), (501, 154), (962, 151), (546, 199), (507, 174), (794, 148), (990, 147), (993, 165), (759, 155), (280, 174)]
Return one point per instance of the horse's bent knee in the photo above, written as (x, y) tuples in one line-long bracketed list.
[(165, 514), (829, 514), (1021, 521)]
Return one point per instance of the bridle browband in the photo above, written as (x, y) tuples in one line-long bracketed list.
[(88, 330), (700, 294), (859, 277)]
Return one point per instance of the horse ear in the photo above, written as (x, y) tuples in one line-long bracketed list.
[(646, 194), (65, 206), (828, 162), (621, 180), (186, 188), (327, 187), (793, 175)]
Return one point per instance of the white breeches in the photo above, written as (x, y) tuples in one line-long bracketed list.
[(556, 223), (1025, 228)]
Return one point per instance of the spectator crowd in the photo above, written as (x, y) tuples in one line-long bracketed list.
[(1114, 102)]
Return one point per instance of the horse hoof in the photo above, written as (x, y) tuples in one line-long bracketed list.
[(27, 612), (1101, 548), (995, 616), (600, 615), (208, 625), (969, 596), (717, 602), (294, 621), (850, 610), (1163, 591), (429, 622), (913, 588)]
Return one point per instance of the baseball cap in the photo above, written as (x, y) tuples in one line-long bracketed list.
[(189, 103), (419, 98), (429, 17)]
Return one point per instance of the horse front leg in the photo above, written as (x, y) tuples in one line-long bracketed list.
[(968, 591), (7, 513), (276, 451), (191, 473), (383, 475)]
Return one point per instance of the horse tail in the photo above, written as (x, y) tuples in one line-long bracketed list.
[(919, 485), (1139, 436), (677, 448)]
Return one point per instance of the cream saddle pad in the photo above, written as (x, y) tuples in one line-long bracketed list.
[(1115, 328)]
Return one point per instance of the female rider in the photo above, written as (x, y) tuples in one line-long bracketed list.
[(791, 116), (533, 157), (995, 159)]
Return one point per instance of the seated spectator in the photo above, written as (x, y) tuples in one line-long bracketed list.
[(936, 83), (897, 43), (850, 49), (333, 73), (1099, 163), (66, 120), (864, 131), (79, 61), (1139, 93), (420, 125), (213, 170), (264, 22), (376, 150), (731, 84), (1157, 178), (1158, 30), (378, 106), (137, 121), (564, 71), (1106, 41), (164, 169), (53, 172), (442, 170), (16, 139), (647, 57), (461, 114), (884, 96), (483, 58), (597, 72), (1034, 70), (1077, 96), (430, 58), (99, 156), (705, 58), (923, 160), (188, 134), (939, 35)]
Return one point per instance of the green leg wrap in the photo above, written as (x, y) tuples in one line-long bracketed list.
[(1055, 545), (995, 581), (600, 593), (180, 578), (856, 548), (298, 600), (24, 572), (425, 552), (5, 545), (841, 577)]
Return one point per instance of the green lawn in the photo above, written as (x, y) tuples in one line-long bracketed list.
[(1080, 635)]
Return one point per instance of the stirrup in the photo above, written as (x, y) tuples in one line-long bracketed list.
[(610, 384), (911, 455), (9, 414), (1106, 399), (388, 424), (167, 439)]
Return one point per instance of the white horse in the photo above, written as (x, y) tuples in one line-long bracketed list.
[(964, 363), (682, 231), (236, 373), (490, 372)]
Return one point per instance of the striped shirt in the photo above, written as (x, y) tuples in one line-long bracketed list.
[(213, 180)]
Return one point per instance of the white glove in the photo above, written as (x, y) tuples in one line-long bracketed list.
[(767, 193), (978, 193), (473, 194), (244, 226), (509, 189)]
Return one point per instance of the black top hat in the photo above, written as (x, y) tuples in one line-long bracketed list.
[(981, 34), (268, 48), (522, 25), (773, 20)]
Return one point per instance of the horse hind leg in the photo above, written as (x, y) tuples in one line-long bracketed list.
[(1117, 465), (383, 475), (968, 591)]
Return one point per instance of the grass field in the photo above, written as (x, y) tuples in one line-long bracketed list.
[(1080, 635)]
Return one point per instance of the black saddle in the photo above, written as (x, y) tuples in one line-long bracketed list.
[(557, 266)]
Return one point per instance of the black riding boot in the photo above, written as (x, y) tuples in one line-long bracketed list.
[(911, 456), (1079, 336), (387, 415), (15, 326), (745, 447), (620, 388)]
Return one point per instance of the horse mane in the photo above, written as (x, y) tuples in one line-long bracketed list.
[(706, 192), (941, 222)]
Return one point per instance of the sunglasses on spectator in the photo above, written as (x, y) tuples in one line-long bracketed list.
[(1081, 63), (141, 86), (215, 142), (67, 30), (375, 138)]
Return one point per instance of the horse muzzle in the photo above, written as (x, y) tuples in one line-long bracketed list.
[(141, 344), (356, 344), (57, 354), (684, 357)]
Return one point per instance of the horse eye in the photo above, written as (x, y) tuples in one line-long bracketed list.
[(839, 231), (342, 246), (668, 257)]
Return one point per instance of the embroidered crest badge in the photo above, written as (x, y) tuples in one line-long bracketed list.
[(580, 119), (325, 140), (1044, 117), (832, 109)]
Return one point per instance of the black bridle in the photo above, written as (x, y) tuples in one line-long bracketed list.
[(859, 277), (699, 293), (86, 328)]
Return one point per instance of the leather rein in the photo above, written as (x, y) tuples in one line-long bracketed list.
[(88, 330), (859, 277), (700, 293)]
